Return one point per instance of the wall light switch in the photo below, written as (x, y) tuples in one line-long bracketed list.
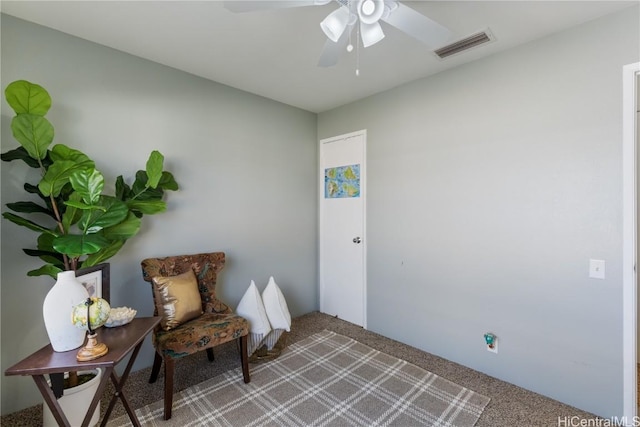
[(596, 268)]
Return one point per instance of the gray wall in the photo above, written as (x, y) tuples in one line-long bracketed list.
[(489, 188), (245, 165)]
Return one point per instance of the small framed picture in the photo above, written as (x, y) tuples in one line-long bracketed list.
[(96, 280)]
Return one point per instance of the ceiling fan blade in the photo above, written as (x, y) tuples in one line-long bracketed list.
[(333, 50), (249, 6), (418, 26)]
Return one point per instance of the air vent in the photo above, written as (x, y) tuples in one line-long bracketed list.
[(465, 44)]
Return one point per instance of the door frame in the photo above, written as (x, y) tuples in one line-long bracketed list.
[(363, 191), (630, 104)]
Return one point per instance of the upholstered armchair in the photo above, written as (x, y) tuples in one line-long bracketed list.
[(193, 320)]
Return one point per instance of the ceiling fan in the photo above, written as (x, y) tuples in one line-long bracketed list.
[(340, 23)]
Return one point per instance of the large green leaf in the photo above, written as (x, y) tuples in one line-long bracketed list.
[(57, 177), (154, 168), (74, 245), (151, 194), (123, 230), (143, 192), (62, 152), (122, 189), (147, 207), (52, 258), (37, 252), (26, 223), (168, 182), (45, 242), (33, 189), (34, 133), (46, 252), (113, 211), (88, 183), (140, 184), (45, 270), (71, 214), (83, 206), (103, 254), (20, 154), (30, 207), (27, 97)]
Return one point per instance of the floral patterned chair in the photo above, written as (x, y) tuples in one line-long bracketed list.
[(216, 325)]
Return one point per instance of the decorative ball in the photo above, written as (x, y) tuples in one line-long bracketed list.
[(98, 313)]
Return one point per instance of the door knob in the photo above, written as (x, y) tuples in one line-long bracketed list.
[(357, 240)]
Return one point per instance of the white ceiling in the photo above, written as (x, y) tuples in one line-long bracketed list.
[(274, 53)]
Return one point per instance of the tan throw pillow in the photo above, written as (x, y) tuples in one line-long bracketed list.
[(177, 299)]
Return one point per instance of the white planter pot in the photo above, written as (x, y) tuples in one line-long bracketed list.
[(75, 403), (56, 311)]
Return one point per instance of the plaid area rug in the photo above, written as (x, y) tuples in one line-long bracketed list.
[(324, 380)]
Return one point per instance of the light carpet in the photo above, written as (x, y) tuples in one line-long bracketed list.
[(326, 379)]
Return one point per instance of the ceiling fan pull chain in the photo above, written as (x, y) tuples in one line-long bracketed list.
[(350, 45), (358, 51)]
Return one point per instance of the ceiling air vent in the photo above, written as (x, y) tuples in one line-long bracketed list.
[(464, 44)]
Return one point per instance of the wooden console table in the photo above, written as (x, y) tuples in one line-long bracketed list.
[(121, 341)]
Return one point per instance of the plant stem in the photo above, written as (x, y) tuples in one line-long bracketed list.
[(54, 205), (135, 196), (73, 379), (56, 212)]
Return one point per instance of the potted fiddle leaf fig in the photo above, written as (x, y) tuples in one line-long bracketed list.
[(78, 225), (83, 226)]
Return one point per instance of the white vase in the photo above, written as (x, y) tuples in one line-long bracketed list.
[(75, 402), (57, 309)]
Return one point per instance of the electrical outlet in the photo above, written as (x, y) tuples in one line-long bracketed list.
[(492, 342)]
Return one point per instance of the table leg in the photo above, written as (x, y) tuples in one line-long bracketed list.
[(50, 400), (119, 385)]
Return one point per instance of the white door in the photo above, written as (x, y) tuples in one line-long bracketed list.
[(342, 227)]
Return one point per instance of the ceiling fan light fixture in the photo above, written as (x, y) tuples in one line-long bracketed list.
[(370, 33), (370, 11), (368, 7), (335, 23)]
